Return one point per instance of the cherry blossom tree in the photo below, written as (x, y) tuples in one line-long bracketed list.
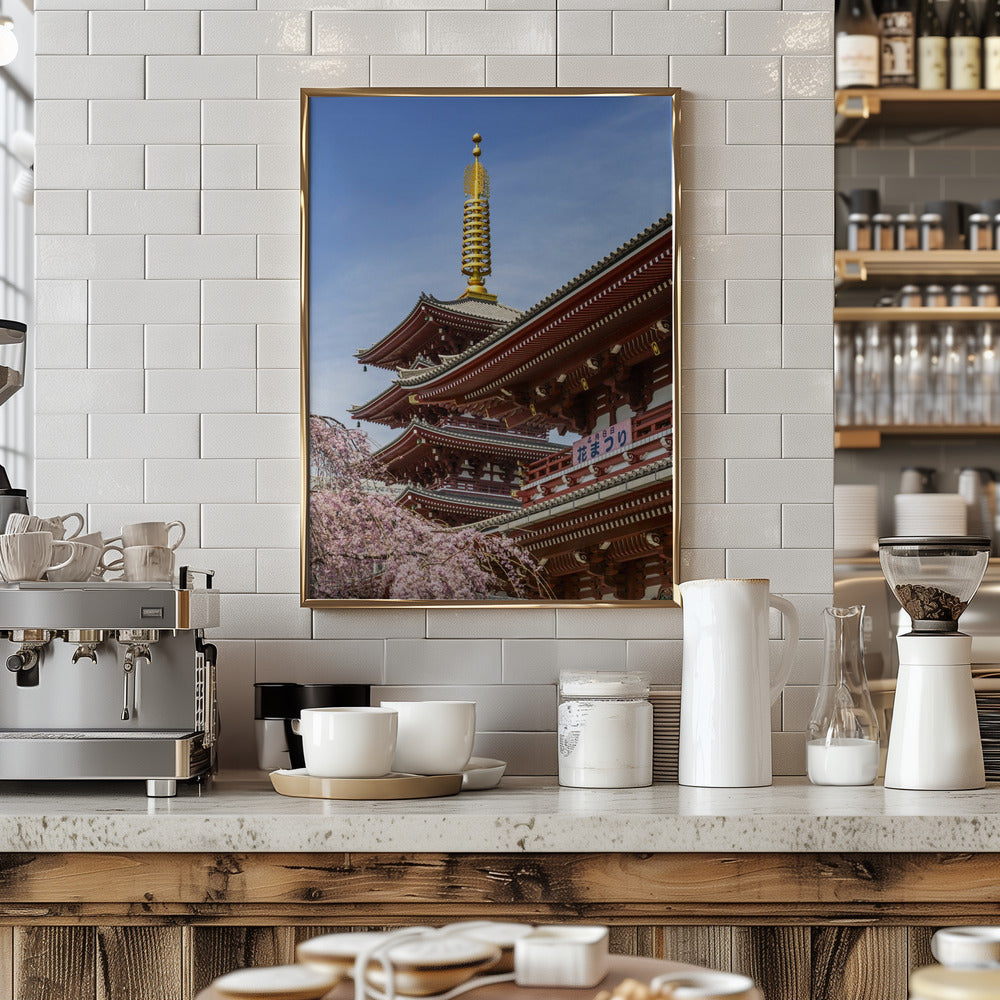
[(363, 545)]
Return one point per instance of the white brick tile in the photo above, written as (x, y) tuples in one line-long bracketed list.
[(491, 32), (144, 121), (282, 76), (60, 32), (107, 391), (752, 301), (753, 211), (171, 166), (781, 391), (520, 4), (201, 77), (361, 661), (732, 435), (253, 616), (438, 661), (753, 122), (367, 623), (250, 211), (60, 345), (751, 167), (807, 435), (789, 570), (738, 256), (61, 435), (61, 122), (277, 571), (250, 121), (807, 167), (732, 524), (228, 168), (204, 480), (60, 212), (115, 347), (125, 301), (229, 346), (226, 301), (704, 213), (584, 32), (779, 33), (538, 661), (60, 301), (352, 32), (89, 256), (278, 256), (797, 705), (430, 71), (668, 33), (278, 345), (172, 345), (659, 659), (726, 4), (807, 122), (707, 128), (807, 77), (806, 301), (806, 256), (266, 525), (200, 256), (278, 480), (705, 391), (74, 166), (703, 479), (658, 620), (254, 32), (703, 564), (807, 213), (518, 708), (726, 76), (258, 435), (200, 392), (200, 5), (525, 753), (783, 480), (143, 211), (109, 517), (810, 608), (807, 525), (788, 754), (74, 481), (702, 301), (95, 76), (731, 346), (277, 390), (612, 71), (93, 5), (807, 346), (143, 434), (491, 623), (277, 166), (148, 32), (237, 745), (610, 4)]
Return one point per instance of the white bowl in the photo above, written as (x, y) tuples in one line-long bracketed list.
[(282, 982), (482, 772), (967, 947), (558, 956)]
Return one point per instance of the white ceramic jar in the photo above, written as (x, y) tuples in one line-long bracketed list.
[(605, 729)]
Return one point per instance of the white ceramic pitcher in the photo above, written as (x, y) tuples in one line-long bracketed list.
[(726, 688)]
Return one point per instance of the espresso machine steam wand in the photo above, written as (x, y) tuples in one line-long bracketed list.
[(136, 642)]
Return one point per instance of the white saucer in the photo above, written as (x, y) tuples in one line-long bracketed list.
[(482, 772)]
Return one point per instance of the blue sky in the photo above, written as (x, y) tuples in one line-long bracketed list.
[(572, 177)]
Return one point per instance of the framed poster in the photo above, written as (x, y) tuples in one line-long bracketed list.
[(489, 346)]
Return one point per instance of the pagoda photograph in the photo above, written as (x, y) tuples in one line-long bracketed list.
[(488, 342)]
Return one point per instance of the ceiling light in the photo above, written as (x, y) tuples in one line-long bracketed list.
[(8, 40)]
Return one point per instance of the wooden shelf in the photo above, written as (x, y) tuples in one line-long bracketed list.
[(855, 108), (860, 265), (897, 314), (871, 437)]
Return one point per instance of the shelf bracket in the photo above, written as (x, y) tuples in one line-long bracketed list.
[(851, 104), (851, 269)]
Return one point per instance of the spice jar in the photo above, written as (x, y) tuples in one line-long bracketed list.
[(931, 231), (883, 237), (911, 297), (959, 297), (859, 231), (907, 232), (986, 297), (934, 297), (980, 231), (605, 729)]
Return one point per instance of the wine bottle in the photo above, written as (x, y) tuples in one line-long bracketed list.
[(991, 46), (964, 45), (898, 28), (932, 49), (857, 50)]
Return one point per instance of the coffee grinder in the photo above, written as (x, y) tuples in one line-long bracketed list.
[(934, 740)]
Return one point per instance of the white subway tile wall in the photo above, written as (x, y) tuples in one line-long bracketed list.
[(167, 220)]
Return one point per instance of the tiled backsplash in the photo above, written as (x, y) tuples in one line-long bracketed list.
[(167, 344)]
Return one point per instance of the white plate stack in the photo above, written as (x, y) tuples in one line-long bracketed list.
[(930, 514), (855, 520), (666, 704)]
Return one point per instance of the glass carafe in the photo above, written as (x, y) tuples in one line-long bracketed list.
[(842, 738)]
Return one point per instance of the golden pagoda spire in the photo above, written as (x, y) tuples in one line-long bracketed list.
[(476, 227)]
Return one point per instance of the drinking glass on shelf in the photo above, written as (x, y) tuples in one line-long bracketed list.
[(973, 379), (864, 412), (989, 373), (878, 372), (950, 388), (933, 376), (843, 374), (915, 387), (899, 400)]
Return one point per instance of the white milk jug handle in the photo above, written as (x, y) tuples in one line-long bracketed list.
[(791, 641)]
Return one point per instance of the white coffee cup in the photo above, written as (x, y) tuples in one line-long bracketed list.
[(112, 561), (27, 555), (18, 524), (148, 562), (434, 737), (150, 533), (57, 525), (347, 742), (81, 565)]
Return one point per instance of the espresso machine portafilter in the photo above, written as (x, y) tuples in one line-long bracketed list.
[(111, 681)]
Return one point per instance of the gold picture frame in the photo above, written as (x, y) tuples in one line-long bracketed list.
[(525, 456)]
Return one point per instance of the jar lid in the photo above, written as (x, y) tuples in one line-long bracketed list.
[(932, 217), (906, 217), (980, 218), (937, 982), (882, 217), (604, 683), (858, 217)]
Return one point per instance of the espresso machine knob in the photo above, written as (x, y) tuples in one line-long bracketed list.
[(24, 659)]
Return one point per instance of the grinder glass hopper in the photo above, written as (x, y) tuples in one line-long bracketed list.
[(934, 739)]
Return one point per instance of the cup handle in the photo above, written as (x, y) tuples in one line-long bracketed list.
[(116, 564), (117, 540), (65, 562), (791, 641), (297, 726), (176, 524), (79, 527)]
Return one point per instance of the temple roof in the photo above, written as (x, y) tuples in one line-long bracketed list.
[(420, 434), (472, 506)]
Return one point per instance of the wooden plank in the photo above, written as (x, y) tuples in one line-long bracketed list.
[(708, 946), (139, 961), (54, 963), (864, 963), (7, 963), (919, 947), (215, 951), (776, 958), (644, 941)]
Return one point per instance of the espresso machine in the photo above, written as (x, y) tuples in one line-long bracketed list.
[(109, 681)]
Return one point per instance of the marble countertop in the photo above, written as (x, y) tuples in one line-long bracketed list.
[(244, 814)]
